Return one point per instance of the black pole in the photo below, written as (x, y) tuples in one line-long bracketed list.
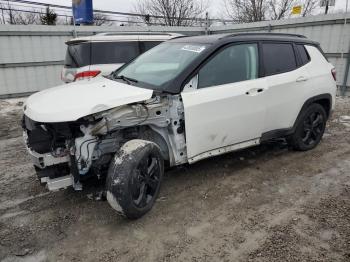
[(327, 7), (346, 76)]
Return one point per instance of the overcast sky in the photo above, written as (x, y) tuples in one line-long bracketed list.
[(127, 5)]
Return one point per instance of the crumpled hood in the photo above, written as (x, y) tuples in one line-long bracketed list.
[(72, 101)]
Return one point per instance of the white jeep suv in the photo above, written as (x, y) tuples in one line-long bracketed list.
[(181, 102)]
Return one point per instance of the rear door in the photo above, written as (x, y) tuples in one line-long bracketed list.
[(227, 109), (288, 79)]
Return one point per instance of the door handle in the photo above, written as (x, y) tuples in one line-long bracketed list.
[(254, 91), (302, 79)]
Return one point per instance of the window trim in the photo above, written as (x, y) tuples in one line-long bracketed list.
[(213, 54), (300, 62), (278, 42)]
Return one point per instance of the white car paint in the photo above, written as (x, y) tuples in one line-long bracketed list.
[(288, 92), (221, 116), (78, 99), (225, 118)]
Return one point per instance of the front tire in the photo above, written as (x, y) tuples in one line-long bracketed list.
[(134, 178), (310, 128)]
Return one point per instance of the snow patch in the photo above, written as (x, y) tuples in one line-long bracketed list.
[(128, 148), (114, 202), (8, 106), (344, 120), (133, 145)]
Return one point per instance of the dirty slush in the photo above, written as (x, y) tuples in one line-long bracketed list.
[(267, 203)]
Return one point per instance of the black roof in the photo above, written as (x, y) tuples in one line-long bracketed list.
[(218, 38)]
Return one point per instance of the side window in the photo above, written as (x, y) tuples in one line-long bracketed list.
[(304, 56), (147, 45), (278, 58), (233, 64)]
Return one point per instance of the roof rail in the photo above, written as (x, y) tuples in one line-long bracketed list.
[(267, 34), (136, 33)]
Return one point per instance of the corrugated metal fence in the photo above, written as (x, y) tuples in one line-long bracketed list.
[(31, 57)]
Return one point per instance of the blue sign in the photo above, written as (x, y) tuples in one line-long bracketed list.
[(83, 11)]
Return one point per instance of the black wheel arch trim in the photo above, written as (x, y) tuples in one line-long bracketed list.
[(314, 99)]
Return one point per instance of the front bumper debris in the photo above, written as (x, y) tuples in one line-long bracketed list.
[(46, 160), (59, 183)]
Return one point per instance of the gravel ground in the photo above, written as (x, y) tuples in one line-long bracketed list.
[(267, 203)]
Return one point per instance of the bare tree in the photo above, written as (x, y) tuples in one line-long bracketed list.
[(245, 11), (309, 6), (101, 19), (171, 12), (2, 18), (280, 9), (9, 15), (28, 18)]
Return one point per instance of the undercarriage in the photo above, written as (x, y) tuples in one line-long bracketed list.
[(66, 154)]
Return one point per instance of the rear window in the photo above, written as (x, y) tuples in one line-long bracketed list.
[(278, 58), (84, 54)]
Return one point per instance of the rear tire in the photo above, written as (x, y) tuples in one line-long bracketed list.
[(310, 128), (134, 178)]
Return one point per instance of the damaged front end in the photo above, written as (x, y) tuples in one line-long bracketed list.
[(66, 154)]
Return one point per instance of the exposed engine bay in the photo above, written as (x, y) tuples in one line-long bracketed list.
[(65, 154)]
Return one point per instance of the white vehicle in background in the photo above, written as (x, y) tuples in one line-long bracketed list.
[(99, 55), (181, 102)]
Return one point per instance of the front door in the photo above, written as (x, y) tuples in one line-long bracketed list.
[(227, 109)]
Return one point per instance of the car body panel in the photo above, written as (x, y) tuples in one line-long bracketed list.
[(226, 115), (289, 91), (73, 101)]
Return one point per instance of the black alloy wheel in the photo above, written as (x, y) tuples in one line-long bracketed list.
[(134, 178), (145, 181), (313, 128), (310, 128)]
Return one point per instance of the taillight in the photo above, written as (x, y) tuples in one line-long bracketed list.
[(334, 74), (87, 75)]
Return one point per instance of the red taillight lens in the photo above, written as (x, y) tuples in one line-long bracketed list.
[(87, 75), (334, 74)]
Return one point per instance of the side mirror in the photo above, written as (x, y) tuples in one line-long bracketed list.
[(192, 84)]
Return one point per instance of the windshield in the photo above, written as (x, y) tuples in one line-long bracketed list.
[(161, 64)]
